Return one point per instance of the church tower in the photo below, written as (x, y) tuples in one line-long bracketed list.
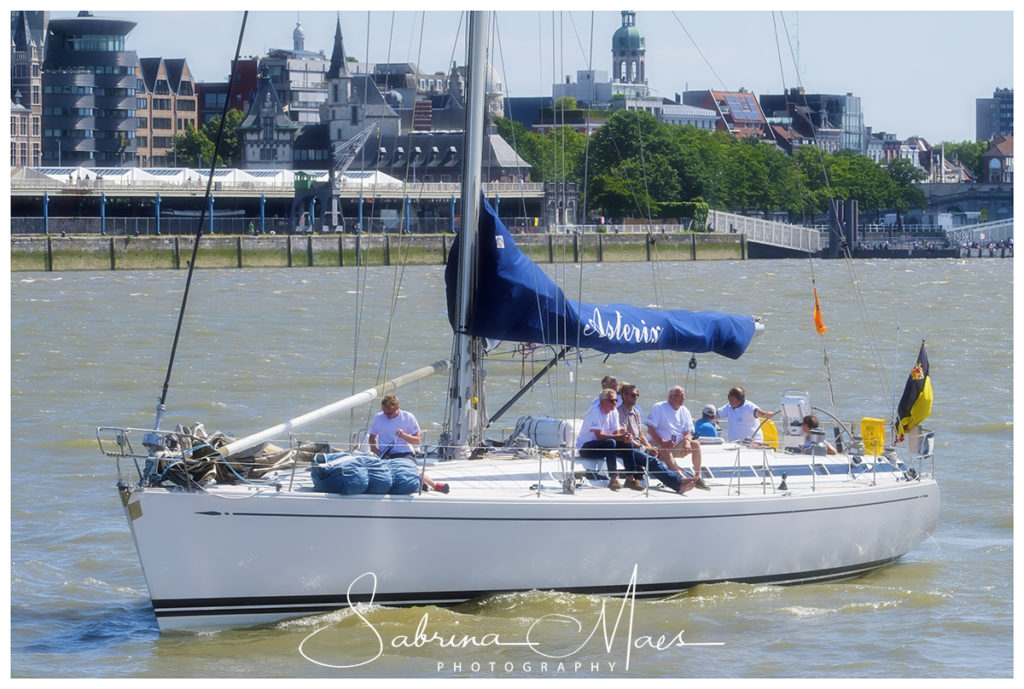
[(628, 52)]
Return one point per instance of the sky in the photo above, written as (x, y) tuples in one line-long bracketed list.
[(917, 72)]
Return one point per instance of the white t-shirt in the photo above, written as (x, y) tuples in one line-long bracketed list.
[(384, 428), (742, 421), (596, 420), (670, 423)]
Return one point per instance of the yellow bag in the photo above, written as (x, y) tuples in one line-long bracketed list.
[(873, 432)]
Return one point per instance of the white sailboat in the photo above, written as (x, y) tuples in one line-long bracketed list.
[(247, 547)]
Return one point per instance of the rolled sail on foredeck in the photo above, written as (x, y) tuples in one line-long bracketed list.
[(516, 301)]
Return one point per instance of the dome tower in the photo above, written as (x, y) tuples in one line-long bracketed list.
[(628, 52)]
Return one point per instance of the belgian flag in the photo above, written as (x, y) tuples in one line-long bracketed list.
[(916, 403)]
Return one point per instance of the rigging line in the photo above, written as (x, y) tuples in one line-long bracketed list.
[(586, 136), (582, 207), (404, 246), (199, 227), (576, 33), (512, 130), (382, 368), (655, 269), (824, 346), (778, 50), (854, 281), (699, 52), (361, 269), (866, 319), (501, 59), (580, 236), (814, 128)]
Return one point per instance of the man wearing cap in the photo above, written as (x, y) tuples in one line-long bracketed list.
[(705, 426)]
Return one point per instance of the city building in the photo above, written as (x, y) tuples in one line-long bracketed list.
[(580, 120), (525, 110), (267, 133), (822, 111), (736, 112), (994, 116), (626, 90), (299, 78), (671, 112), (21, 116), (997, 162), (794, 126), (27, 41), (166, 106), (788, 138), (210, 95), (592, 88), (89, 86)]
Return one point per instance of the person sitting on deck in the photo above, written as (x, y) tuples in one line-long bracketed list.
[(809, 424), (671, 429), (705, 426), (637, 454), (398, 431), (599, 438), (607, 383)]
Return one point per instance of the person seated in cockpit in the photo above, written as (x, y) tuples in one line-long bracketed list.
[(809, 424)]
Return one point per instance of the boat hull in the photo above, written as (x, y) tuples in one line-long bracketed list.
[(285, 554)]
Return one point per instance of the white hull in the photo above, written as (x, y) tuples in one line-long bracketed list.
[(238, 555)]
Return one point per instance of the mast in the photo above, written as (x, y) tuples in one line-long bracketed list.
[(466, 392)]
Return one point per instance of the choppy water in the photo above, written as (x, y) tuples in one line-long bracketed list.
[(263, 345)]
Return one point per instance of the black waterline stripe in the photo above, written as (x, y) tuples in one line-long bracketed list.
[(314, 604)]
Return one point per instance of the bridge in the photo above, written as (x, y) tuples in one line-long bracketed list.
[(982, 234)]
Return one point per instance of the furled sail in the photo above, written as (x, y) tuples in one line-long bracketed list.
[(516, 301)]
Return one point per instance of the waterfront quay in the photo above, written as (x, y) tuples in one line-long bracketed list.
[(55, 253)]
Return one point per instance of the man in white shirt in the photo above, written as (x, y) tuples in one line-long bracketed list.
[(641, 457), (670, 427), (742, 417), (393, 433), (602, 434)]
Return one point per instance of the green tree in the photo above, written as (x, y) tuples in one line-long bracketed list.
[(231, 145), (969, 154), (634, 188), (566, 103), (192, 149), (195, 147), (904, 195)]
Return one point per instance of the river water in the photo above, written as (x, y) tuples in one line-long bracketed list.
[(259, 346)]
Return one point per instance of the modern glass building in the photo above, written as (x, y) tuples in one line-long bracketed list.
[(89, 93), (823, 111), (995, 115)]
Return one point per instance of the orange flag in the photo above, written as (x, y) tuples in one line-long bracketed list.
[(817, 315)]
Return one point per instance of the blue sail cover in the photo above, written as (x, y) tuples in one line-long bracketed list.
[(516, 301)]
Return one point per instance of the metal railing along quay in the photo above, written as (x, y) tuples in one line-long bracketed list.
[(985, 233)]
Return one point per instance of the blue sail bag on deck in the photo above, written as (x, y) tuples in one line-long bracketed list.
[(407, 476), (339, 473), (378, 473)]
